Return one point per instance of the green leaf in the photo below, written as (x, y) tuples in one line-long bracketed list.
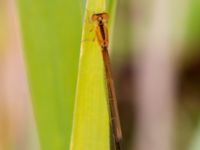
[(91, 122), (51, 32), (194, 21), (193, 30), (195, 141)]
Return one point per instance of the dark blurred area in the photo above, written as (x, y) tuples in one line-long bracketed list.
[(173, 124)]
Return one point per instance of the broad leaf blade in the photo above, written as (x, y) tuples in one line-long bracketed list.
[(91, 125), (51, 36)]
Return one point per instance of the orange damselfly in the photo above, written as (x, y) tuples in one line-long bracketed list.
[(101, 20)]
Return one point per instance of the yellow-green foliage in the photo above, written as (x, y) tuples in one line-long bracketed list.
[(51, 33), (91, 125)]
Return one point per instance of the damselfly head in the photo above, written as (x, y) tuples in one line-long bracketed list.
[(100, 17)]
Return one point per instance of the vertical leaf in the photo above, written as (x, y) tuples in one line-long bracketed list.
[(91, 125), (51, 33)]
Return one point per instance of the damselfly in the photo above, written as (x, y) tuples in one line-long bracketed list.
[(101, 20)]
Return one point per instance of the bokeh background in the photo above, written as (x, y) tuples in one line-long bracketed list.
[(156, 65)]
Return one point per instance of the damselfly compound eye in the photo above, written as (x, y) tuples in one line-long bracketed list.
[(100, 17)]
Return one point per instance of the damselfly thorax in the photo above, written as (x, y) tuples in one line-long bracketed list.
[(101, 20)]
